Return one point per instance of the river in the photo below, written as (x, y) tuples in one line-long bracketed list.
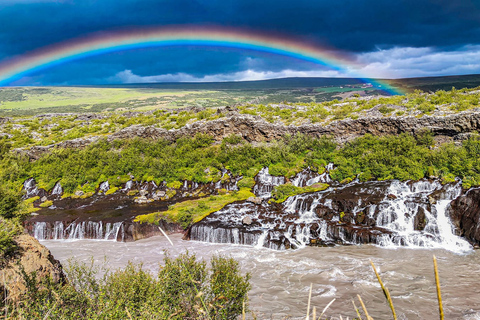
[(281, 279)]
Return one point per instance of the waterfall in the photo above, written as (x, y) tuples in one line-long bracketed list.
[(30, 188), (97, 230), (104, 186), (57, 190), (386, 213), (128, 185), (266, 182), (307, 177)]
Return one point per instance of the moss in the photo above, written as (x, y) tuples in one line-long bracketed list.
[(246, 182), (112, 190), (282, 192), (192, 211), (174, 184), (46, 204)]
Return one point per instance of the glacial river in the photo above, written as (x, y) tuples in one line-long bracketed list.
[(281, 279)]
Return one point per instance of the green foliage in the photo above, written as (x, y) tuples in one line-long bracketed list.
[(246, 182), (384, 109), (185, 288), (9, 203), (9, 228), (282, 192)]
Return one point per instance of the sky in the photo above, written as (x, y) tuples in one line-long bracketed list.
[(387, 39)]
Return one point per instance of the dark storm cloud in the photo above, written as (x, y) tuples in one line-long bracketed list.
[(351, 25)]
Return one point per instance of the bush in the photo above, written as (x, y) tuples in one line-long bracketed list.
[(185, 288), (8, 230), (9, 203)]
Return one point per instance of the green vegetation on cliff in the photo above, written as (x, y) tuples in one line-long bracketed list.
[(47, 130), (282, 192), (199, 159), (191, 211)]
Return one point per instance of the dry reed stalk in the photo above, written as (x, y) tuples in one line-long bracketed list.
[(385, 291), (314, 315), (356, 310), (168, 238), (328, 306), (437, 283), (364, 308), (308, 305), (128, 313), (243, 309)]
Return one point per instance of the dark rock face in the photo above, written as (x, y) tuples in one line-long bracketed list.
[(465, 213), (255, 129)]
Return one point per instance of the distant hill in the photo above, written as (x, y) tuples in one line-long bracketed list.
[(283, 83), (437, 83), (407, 84)]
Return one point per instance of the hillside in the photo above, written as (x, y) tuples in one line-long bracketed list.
[(29, 101)]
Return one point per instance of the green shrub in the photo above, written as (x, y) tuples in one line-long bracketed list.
[(246, 182), (8, 230), (9, 202), (185, 288)]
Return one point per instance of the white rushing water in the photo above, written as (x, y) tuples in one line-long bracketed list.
[(97, 230), (411, 214), (281, 279), (265, 183)]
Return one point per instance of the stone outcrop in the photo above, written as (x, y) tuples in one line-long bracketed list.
[(256, 129), (465, 213), (32, 257)]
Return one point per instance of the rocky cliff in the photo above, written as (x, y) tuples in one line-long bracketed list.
[(31, 256), (451, 127)]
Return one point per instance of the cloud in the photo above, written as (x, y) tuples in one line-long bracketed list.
[(403, 62), (398, 62), (127, 76)]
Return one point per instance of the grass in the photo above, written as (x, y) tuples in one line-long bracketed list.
[(192, 211), (282, 192), (84, 98)]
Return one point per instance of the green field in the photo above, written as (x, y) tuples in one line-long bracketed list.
[(29, 101)]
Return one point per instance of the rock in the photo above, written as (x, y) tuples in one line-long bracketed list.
[(79, 193), (391, 196), (32, 257), (143, 193), (247, 220), (465, 214), (420, 220), (255, 129), (255, 200), (142, 199), (43, 199), (160, 193), (432, 200)]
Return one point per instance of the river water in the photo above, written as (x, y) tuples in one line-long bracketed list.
[(281, 279)]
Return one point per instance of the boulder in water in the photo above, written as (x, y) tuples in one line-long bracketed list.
[(247, 220), (255, 200)]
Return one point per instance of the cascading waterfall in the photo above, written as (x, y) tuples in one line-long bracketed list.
[(387, 213), (30, 188), (104, 186), (265, 183), (97, 230), (57, 190), (307, 177)]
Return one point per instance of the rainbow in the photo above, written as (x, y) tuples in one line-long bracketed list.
[(101, 43)]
